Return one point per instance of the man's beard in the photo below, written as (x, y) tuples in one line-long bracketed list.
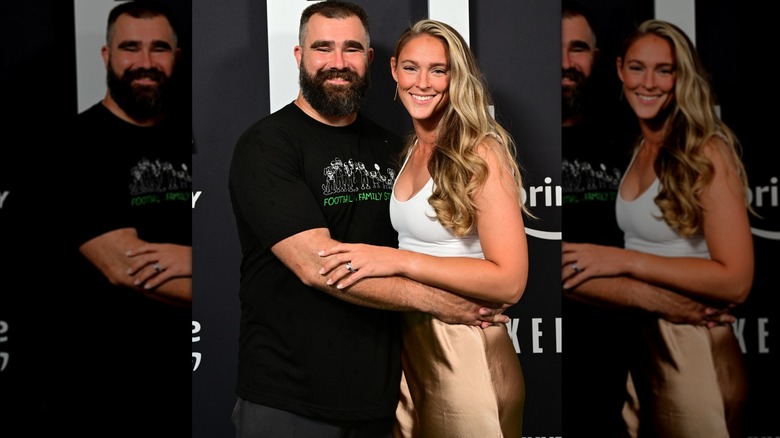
[(334, 100), (573, 95), (141, 102)]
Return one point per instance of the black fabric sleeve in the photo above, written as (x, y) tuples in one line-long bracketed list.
[(101, 206), (268, 185)]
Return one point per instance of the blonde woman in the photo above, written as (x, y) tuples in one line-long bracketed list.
[(457, 209), (684, 213)]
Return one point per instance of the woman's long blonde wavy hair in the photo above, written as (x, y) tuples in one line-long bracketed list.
[(683, 169), (455, 165)]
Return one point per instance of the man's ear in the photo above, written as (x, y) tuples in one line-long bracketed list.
[(104, 52), (298, 52), (370, 55)]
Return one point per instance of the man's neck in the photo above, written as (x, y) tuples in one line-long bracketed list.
[(304, 105), (116, 110)]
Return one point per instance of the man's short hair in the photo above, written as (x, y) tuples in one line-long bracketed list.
[(140, 9), (332, 9), (572, 8)]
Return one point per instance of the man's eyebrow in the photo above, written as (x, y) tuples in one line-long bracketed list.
[(322, 43), (161, 44), (128, 44), (157, 44), (580, 44), (352, 44), (348, 44)]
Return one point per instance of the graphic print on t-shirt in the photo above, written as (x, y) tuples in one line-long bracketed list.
[(355, 176), (584, 181), (155, 181)]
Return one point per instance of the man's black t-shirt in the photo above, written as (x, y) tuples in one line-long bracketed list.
[(598, 339), (125, 354), (300, 349)]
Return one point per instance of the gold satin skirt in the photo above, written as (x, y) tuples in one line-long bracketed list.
[(688, 381), (458, 381)]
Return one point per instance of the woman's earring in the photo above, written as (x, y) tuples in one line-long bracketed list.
[(395, 97)]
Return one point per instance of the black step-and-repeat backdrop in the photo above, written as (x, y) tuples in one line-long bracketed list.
[(36, 46), (238, 77), (734, 57)]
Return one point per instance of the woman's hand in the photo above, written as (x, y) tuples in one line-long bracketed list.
[(154, 263), (582, 261), (347, 263)]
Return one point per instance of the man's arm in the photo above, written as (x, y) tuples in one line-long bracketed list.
[(108, 253), (300, 254), (627, 292)]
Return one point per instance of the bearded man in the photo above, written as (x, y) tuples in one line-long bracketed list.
[(578, 55), (315, 360), (127, 312)]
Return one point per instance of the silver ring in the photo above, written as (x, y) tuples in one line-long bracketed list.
[(350, 268), (157, 267), (575, 267)]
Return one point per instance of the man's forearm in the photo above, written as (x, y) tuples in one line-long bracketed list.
[(612, 292), (402, 294), (387, 293), (627, 292), (176, 291)]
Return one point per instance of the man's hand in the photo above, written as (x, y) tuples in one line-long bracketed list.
[(456, 309), (679, 309), (493, 316)]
